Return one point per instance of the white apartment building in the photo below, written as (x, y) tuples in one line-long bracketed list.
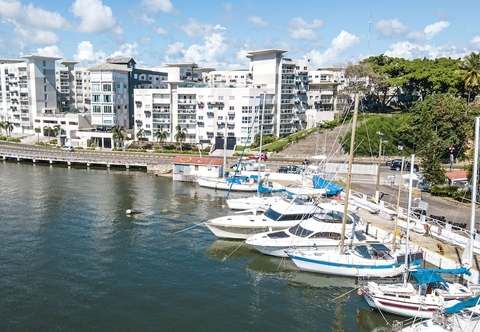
[(230, 103)]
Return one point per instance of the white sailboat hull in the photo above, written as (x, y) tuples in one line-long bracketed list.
[(252, 202), (347, 265), (221, 184)]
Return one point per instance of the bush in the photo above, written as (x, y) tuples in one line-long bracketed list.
[(444, 190)]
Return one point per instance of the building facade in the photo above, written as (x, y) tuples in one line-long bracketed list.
[(277, 94)]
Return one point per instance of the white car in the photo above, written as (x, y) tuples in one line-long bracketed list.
[(67, 148)]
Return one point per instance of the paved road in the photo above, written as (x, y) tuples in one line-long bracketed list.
[(438, 206)]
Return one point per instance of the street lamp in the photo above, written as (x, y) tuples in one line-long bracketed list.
[(377, 189)]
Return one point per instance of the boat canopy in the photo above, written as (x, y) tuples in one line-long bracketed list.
[(331, 188), (429, 276), (473, 301)]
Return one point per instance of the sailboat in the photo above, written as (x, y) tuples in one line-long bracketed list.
[(416, 299), (365, 260)]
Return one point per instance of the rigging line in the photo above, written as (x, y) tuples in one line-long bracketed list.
[(186, 229), (354, 289), (225, 258)]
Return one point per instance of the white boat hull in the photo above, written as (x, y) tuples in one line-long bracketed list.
[(220, 184), (345, 265), (243, 233), (252, 202)]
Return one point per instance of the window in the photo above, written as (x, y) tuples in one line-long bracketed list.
[(220, 108), (96, 98), (220, 97), (107, 109), (231, 108), (106, 87), (231, 97), (95, 87), (220, 118), (245, 119), (107, 98), (44, 63), (96, 109)]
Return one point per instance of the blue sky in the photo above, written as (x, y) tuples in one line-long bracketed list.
[(218, 34)]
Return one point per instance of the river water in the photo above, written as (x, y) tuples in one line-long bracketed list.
[(72, 260)]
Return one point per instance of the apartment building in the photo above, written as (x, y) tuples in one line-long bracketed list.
[(279, 94)]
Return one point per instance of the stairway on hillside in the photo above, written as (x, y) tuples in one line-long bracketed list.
[(326, 142)]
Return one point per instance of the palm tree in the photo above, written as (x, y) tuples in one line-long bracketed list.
[(118, 135), (140, 133), (2, 126), (8, 126), (470, 71), (57, 129), (38, 130), (181, 135), (48, 130), (161, 135)]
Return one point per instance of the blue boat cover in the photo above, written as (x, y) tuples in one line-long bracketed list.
[(430, 276), (471, 302), (331, 188)]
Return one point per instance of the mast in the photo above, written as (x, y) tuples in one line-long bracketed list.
[(474, 189), (349, 174), (410, 184), (261, 142), (398, 206)]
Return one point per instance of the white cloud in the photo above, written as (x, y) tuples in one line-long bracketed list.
[(87, 57), (26, 36), (338, 46), (156, 6), (194, 28), (388, 28), (126, 50), (31, 25), (433, 29), (51, 51), (95, 16), (475, 42), (299, 29), (255, 20), (416, 37), (147, 20), (175, 49), (161, 31), (208, 54)]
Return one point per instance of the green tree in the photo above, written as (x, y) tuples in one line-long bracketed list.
[(181, 135), (442, 120), (2, 126), (8, 126), (57, 130), (38, 130), (118, 135), (48, 130), (161, 135), (140, 134), (470, 71)]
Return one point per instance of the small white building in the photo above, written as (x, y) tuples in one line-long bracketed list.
[(186, 168)]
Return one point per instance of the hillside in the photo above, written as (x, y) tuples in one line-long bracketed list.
[(326, 142)]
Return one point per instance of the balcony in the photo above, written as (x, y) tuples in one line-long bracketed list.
[(187, 101), (288, 81)]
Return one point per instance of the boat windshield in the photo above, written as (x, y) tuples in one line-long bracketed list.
[(300, 231), (334, 217), (277, 235), (274, 215)]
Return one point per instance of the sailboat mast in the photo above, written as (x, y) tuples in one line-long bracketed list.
[(261, 142), (349, 173), (409, 209), (474, 188), (398, 206)]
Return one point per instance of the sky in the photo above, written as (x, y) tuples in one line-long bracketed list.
[(219, 34)]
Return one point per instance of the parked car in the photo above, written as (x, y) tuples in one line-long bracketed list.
[(292, 169), (67, 148), (396, 166), (389, 162)]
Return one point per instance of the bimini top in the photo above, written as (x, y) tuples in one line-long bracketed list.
[(430, 276)]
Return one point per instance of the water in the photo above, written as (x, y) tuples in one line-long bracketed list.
[(72, 260)]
